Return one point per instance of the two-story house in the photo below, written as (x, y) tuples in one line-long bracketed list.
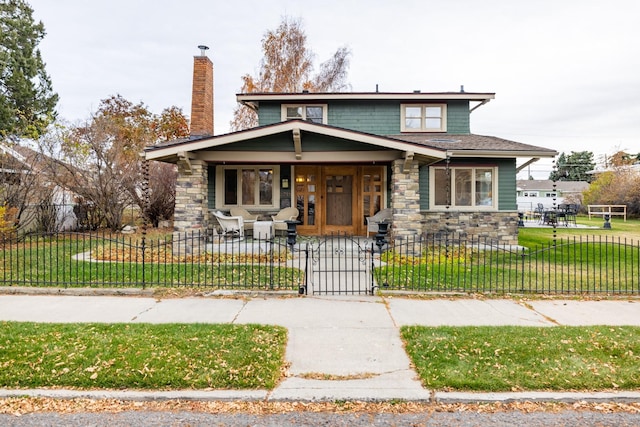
[(339, 157)]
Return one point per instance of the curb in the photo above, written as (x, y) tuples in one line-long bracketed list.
[(264, 395)]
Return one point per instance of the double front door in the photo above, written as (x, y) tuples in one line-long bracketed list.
[(336, 199)]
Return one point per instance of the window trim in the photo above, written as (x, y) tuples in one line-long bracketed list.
[(220, 172), (473, 208), (423, 107), (283, 111)]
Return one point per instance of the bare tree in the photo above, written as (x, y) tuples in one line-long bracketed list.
[(287, 66)]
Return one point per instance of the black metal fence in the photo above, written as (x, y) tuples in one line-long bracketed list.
[(586, 265)]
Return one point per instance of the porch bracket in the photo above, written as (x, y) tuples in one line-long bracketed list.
[(297, 143), (408, 158), (183, 160)]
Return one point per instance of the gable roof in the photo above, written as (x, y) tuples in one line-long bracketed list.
[(172, 150)]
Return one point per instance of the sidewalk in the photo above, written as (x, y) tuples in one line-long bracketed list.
[(348, 337)]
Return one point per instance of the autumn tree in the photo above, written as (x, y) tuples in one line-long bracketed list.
[(100, 159), (27, 101), (619, 184), (287, 66), (573, 167), (621, 159)]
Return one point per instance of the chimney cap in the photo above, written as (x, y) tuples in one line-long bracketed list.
[(203, 49)]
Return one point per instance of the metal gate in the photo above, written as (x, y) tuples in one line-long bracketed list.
[(340, 264)]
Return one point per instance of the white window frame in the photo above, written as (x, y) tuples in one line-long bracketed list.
[(530, 194), (423, 107), (220, 185), (283, 111), (473, 208)]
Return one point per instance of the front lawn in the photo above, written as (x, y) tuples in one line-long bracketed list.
[(511, 358), (141, 356)]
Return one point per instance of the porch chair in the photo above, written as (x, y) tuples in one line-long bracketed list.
[(286, 214), (382, 215), (230, 225), (247, 217)]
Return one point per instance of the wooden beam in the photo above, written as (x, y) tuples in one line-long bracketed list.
[(408, 159), (297, 143)]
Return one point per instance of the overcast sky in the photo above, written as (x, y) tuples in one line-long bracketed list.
[(566, 73)]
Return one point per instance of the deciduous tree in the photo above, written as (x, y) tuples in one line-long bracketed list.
[(287, 66), (27, 101), (100, 159)]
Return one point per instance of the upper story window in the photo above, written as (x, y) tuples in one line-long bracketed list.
[(529, 194), (311, 113), (424, 117)]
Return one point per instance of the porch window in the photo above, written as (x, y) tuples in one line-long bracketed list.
[(311, 113), (464, 187), (424, 117), (251, 186)]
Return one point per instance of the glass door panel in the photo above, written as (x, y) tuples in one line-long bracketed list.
[(306, 188)]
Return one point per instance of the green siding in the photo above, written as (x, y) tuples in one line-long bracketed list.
[(423, 182), (211, 187), (378, 118), (458, 117), (269, 113), (310, 142), (507, 185)]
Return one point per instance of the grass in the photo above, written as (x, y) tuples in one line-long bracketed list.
[(511, 358), (46, 261), (140, 356), (564, 260), (620, 229)]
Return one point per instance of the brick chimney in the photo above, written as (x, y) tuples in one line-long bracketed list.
[(202, 95)]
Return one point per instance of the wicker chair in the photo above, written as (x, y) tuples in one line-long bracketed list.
[(248, 217), (380, 216), (230, 225), (286, 214)]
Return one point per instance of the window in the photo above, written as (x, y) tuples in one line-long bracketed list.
[(463, 187), (530, 194), (550, 194), (247, 186), (424, 118), (311, 113)]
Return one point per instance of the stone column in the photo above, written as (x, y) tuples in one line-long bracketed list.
[(191, 212), (405, 199)]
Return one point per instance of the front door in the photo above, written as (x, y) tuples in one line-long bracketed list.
[(336, 199), (340, 199)]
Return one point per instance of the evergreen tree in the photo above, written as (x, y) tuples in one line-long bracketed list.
[(573, 167), (27, 101)]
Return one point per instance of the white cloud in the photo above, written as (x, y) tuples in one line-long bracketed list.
[(565, 73)]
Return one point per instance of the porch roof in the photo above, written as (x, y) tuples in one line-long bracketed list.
[(380, 148), (470, 145)]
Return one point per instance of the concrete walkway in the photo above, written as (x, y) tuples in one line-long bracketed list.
[(354, 340)]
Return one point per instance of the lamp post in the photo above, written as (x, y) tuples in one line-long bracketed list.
[(381, 241), (291, 232), (383, 229)]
